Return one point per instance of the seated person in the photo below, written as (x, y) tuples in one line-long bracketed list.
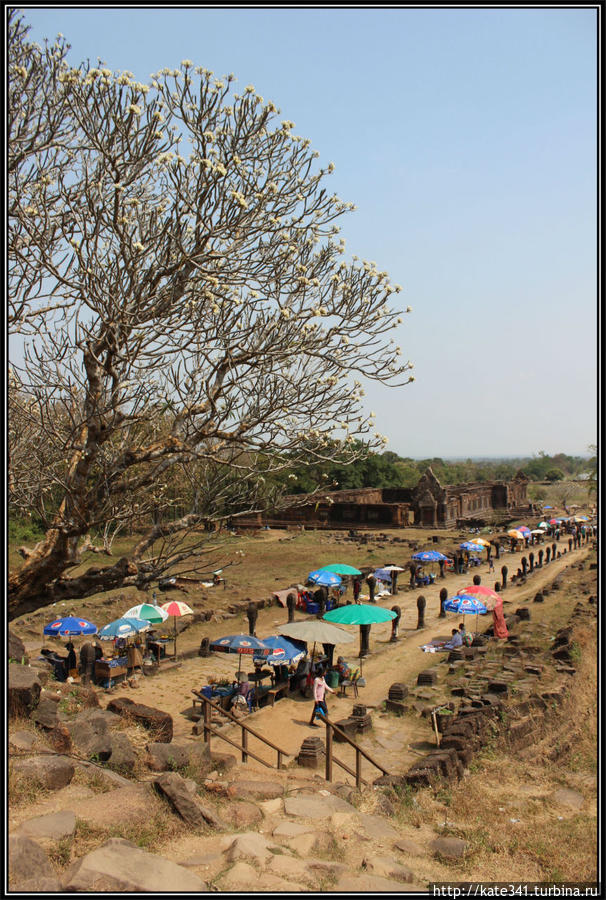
[(465, 635), (455, 641)]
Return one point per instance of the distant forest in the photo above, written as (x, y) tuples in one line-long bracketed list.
[(390, 470)]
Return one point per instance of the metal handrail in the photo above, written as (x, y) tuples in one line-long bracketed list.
[(246, 730), (330, 758)]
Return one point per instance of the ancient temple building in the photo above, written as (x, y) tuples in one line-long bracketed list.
[(429, 503)]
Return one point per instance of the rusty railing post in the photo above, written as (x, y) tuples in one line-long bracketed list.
[(328, 752), (244, 744), (358, 768), (207, 717)]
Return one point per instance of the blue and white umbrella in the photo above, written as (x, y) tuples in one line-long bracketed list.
[(324, 577), (122, 628), (463, 604), (69, 625), (471, 547), (284, 650), (241, 644), (429, 556)]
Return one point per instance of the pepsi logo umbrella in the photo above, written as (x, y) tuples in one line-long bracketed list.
[(524, 529), (69, 625), (324, 577), (122, 628), (470, 547), (430, 556), (284, 651), (241, 644), (465, 605)]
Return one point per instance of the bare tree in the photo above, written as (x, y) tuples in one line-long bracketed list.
[(188, 316)]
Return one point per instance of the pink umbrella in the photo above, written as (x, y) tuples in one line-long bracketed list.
[(489, 598)]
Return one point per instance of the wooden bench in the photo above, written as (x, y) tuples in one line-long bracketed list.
[(277, 691)]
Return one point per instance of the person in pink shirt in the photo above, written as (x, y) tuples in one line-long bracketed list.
[(319, 688)]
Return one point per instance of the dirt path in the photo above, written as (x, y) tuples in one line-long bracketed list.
[(286, 724)]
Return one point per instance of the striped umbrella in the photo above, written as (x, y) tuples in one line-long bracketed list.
[(153, 614), (176, 608)]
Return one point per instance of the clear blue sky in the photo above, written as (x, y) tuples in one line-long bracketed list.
[(467, 138)]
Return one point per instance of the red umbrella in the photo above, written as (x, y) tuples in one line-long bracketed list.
[(489, 598)]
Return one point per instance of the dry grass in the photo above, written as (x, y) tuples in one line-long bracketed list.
[(504, 808)]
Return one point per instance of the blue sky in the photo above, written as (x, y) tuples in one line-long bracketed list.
[(467, 138)]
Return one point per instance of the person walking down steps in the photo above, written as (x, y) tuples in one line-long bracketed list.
[(320, 687)]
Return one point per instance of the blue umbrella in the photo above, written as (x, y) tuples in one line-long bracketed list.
[(121, 628), (240, 643), (429, 556), (323, 576), (469, 545), (285, 651), (464, 604), (383, 575), (70, 625)]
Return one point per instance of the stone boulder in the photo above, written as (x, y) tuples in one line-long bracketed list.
[(16, 647), (23, 690), (56, 826), (386, 867), (242, 814), (28, 865), (448, 847), (154, 720), (50, 772), (46, 714), (120, 866), (167, 757), (186, 804), (91, 736), (250, 846), (255, 790), (123, 756)]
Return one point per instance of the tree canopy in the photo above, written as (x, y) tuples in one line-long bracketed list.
[(191, 326)]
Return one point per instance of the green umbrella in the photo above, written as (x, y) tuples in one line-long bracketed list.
[(342, 569), (359, 614)]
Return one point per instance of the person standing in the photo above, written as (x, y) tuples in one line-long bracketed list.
[(357, 587), (319, 690), (371, 581)]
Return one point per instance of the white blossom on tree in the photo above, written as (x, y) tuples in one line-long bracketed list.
[(190, 327)]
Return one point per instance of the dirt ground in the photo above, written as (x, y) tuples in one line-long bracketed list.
[(286, 723)]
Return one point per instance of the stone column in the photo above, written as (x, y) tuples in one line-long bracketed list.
[(395, 623), (252, 613), (421, 602), (531, 560), (504, 571), (443, 599), (291, 602), (364, 640)]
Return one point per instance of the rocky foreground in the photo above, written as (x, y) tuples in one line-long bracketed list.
[(103, 799)]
